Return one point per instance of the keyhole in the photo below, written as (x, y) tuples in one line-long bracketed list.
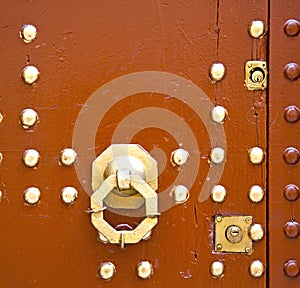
[(257, 76)]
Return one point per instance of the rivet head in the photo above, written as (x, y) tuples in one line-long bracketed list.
[(256, 155), (292, 27), (180, 194), (1, 117), (107, 270), (179, 157), (257, 269), (291, 155), (28, 33), (217, 269), (31, 157), (291, 229), (68, 157), (1, 157), (32, 195), (218, 193), (256, 193), (69, 195), (217, 155), (256, 232), (218, 114), (30, 74), (256, 28), (28, 118), (291, 192), (292, 71), (217, 71), (291, 268), (292, 114), (144, 269)]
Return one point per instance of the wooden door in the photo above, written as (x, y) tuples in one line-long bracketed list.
[(165, 75)]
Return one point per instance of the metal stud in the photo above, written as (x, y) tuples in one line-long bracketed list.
[(218, 193), (32, 195), (217, 71), (256, 232), (292, 27), (292, 114), (256, 28), (291, 268), (28, 33), (179, 157), (257, 269), (292, 71), (107, 270), (28, 118), (218, 114), (1, 117), (291, 155), (1, 157), (31, 157), (68, 157), (30, 74), (256, 155), (1, 194), (217, 269), (217, 155), (291, 229), (144, 269), (180, 194), (69, 195), (256, 193), (291, 192)]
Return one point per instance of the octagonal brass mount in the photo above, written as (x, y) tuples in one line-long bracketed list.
[(231, 234), (124, 176)]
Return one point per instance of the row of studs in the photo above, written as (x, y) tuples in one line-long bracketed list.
[(145, 270)]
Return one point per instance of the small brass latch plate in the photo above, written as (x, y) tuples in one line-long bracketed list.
[(256, 75), (231, 234)]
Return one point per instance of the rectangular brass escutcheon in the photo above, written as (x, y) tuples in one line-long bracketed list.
[(256, 75), (231, 234)]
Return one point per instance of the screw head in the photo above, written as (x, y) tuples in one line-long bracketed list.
[(218, 247), (218, 193), (68, 157), (28, 33), (31, 158), (217, 269), (179, 157), (217, 71), (256, 194), (32, 195), (257, 269), (219, 218), (28, 118), (144, 269), (256, 232), (217, 155), (30, 74), (256, 155), (218, 114), (69, 195), (256, 28), (107, 270), (180, 194)]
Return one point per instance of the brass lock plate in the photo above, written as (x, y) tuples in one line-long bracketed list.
[(256, 75), (231, 234)]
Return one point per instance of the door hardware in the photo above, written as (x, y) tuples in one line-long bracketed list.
[(256, 75)]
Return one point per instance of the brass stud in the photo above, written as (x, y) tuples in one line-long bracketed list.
[(1, 117), (248, 250), (219, 218), (144, 269), (69, 195), (32, 195), (257, 269), (256, 232), (28, 33), (179, 157), (68, 157), (217, 155), (218, 114), (1, 157), (256, 155), (30, 74), (1, 194), (217, 269), (180, 194), (28, 118), (218, 193), (31, 157), (256, 193), (107, 270), (256, 28), (217, 71), (219, 247)]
